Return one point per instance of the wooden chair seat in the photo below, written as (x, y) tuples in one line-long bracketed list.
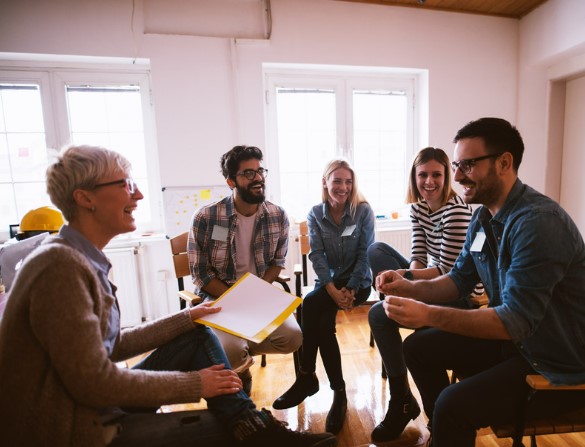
[(573, 421), (568, 422)]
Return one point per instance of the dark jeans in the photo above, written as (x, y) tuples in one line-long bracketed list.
[(319, 314), (191, 351), (382, 256), (493, 387)]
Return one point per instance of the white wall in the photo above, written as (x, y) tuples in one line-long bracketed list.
[(550, 36), (208, 92)]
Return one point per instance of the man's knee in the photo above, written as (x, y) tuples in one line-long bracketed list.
[(414, 346), (289, 340)]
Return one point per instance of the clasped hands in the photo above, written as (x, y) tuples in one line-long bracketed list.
[(344, 298), (405, 311)]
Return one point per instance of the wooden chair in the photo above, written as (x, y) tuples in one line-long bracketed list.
[(181, 263), (569, 422)]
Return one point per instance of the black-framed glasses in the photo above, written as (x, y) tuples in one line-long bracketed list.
[(467, 164), (130, 184), (250, 174)]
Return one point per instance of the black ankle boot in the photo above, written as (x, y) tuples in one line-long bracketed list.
[(397, 418), (306, 385), (261, 429), (336, 414)]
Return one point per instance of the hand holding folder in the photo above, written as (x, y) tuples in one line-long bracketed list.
[(251, 309)]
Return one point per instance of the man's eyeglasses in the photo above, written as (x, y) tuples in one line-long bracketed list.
[(130, 184), (466, 165), (250, 174)]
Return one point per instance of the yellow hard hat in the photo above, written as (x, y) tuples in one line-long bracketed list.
[(45, 218)]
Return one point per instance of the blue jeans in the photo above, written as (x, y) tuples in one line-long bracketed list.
[(493, 387), (191, 351), (319, 313)]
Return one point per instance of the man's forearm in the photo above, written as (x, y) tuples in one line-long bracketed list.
[(272, 273), (480, 323), (215, 287)]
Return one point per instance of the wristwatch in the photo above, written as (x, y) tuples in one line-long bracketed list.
[(408, 275)]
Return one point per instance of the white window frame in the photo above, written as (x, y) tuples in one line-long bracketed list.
[(343, 79), (53, 76)]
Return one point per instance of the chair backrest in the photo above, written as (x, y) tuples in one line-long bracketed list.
[(181, 262), (180, 259), (300, 270)]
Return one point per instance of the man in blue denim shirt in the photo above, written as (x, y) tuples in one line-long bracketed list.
[(530, 256)]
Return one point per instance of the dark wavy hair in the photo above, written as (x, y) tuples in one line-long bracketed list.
[(230, 161), (498, 135)]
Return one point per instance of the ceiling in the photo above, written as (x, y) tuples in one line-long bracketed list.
[(501, 8)]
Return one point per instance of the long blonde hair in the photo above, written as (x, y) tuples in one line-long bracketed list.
[(355, 197)]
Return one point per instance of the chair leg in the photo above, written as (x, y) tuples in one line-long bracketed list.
[(263, 361), (533, 441)]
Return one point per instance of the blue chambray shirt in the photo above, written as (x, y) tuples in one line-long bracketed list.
[(534, 273), (102, 266), (339, 257)]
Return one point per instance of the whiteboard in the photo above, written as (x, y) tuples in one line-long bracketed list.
[(180, 202)]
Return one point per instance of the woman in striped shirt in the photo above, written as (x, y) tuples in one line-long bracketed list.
[(439, 224)]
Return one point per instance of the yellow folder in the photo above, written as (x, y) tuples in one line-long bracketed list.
[(252, 309)]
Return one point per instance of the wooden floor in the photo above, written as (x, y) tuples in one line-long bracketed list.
[(367, 394)]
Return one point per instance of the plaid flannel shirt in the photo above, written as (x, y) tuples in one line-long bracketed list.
[(212, 258)]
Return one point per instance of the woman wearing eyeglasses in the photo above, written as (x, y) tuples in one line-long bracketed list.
[(60, 340), (439, 220), (340, 230)]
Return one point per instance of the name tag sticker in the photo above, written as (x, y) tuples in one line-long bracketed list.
[(219, 233), (348, 231), (478, 241)]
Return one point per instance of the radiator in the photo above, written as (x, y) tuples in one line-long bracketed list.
[(399, 239), (125, 274)]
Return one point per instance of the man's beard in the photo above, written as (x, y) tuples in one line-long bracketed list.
[(248, 196), (487, 191)]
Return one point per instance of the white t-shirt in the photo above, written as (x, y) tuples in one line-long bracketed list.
[(244, 251)]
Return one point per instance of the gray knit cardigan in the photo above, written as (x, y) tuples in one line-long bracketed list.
[(54, 371)]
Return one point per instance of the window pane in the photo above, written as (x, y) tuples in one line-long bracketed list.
[(306, 141), (7, 207), (380, 145), (30, 196), (23, 152), (110, 117), (21, 108), (28, 156)]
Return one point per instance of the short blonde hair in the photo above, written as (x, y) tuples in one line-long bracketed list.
[(80, 167), (356, 197), (424, 156)]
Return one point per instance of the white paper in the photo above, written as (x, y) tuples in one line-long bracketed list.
[(249, 306)]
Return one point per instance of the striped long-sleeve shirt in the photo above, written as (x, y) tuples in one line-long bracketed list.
[(437, 237)]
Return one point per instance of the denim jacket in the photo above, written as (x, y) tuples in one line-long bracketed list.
[(338, 252), (532, 264)]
